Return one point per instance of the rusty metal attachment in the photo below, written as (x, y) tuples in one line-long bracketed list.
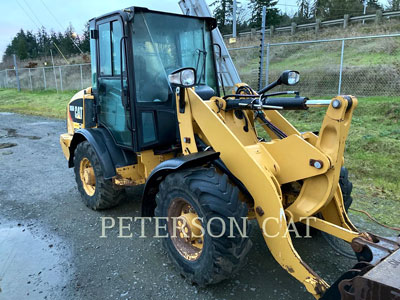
[(374, 282)]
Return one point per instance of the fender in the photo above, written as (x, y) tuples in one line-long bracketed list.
[(110, 155), (167, 167)]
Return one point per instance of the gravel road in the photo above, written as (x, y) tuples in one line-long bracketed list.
[(50, 245)]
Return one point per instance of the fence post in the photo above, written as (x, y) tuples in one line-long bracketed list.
[(293, 29), (44, 79), (378, 17), (54, 70), (317, 25), (81, 77), (271, 30), (16, 72), (341, 69), (345, 21), (30, 78), (267, 66), (61, 80)]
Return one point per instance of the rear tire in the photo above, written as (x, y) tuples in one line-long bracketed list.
[(209, 195), (103, 195)]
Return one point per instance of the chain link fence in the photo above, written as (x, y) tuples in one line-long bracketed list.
[(361, 66), (60, 78)]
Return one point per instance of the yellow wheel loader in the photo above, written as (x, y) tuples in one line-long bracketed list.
[(154, 115)]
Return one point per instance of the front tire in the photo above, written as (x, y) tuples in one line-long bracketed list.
[(96, 192), (346, 187), (207, 194)]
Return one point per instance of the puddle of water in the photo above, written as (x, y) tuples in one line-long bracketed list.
[(29, 267), (3, 113), (11, 132)]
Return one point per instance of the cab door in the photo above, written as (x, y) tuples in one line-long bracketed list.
[(113, 112)]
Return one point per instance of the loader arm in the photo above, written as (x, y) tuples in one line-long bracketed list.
[(263, 167)]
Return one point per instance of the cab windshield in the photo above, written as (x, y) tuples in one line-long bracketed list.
[(164, 43)]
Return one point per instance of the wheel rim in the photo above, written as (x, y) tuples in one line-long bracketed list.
[(88, 177), (186, 239)]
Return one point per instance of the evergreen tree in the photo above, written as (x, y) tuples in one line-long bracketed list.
[(394, 4), (273, 17), (84, 42), (304, 12), (28, 45), (223, 12)]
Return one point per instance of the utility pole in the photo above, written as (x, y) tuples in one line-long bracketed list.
[(234, 19), (16, 72)]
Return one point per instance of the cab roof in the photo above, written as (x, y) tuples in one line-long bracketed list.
[(133, 9)]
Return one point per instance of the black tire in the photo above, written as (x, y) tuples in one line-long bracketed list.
[(211, 195), (105, 195), (346, 186)]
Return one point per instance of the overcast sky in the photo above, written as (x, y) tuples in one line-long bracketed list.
[(14, 13)]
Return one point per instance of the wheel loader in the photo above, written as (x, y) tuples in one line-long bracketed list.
[(155, 116)]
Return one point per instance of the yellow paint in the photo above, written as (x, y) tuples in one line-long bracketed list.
[(87, 176), (65, 141)]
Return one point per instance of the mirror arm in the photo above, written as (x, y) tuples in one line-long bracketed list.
[(269, 86)]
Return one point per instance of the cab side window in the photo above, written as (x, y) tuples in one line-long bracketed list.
[(105, 49), (116, 35), (113, 114)]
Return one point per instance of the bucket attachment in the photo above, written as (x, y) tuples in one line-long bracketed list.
[(376, 277)]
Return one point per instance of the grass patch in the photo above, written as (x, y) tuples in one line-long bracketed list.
[(38, 103)]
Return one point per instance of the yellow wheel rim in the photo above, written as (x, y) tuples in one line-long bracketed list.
[(88, 178), (187, 238)]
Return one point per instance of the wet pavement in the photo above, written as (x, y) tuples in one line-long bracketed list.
[(50, 245), (30, 266)]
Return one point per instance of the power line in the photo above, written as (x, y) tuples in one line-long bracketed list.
[(23, 9), (54, 17), (33, 13), (39, 27)]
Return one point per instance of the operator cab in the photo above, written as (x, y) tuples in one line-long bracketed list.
[(133, 51)]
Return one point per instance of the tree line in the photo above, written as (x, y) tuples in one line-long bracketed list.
[(30, 45)]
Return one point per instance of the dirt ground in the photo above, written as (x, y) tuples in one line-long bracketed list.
[(50, 245)]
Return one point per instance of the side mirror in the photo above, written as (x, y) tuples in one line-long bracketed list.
[(185, 77), (289, 77)]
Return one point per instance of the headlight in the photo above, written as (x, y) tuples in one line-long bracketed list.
[(289, 77), (293, 78), (185, 77)]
